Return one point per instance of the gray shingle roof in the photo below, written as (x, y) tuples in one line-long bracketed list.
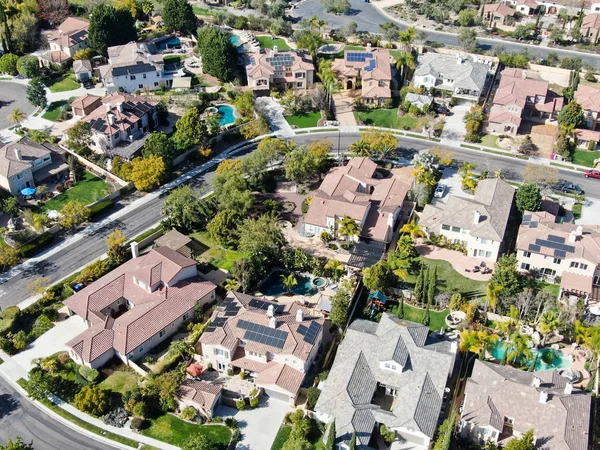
[(428, 408), (362, 383), (466, 75), (401, 353), (363, 423)]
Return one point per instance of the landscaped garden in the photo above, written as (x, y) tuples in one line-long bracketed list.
[(120, 382), (214, 253), (66, 82), (267, 42), (54, 110), (304, 120), (170, 428), (298, 428), (89, 188), (490, 140), (585, 158), (387, 118)]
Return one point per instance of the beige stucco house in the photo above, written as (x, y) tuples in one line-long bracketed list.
[(70, 36), (290, 69)]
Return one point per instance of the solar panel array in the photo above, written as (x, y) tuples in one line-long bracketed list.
[(557, 243), (219, 322), (310, 333), (358, 57), (261, 304), (263, 335), (528, 222), (230, 306), (370, 66), (280, 61)]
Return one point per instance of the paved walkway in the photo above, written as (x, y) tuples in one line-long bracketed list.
[(459, 261), (274, 114), (344, 110), (454, 128)]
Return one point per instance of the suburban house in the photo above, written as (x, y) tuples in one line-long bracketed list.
[(137, 306), (64, 41), (563, 250), (525, 7), (84, 105), (120, 122), (132, 67), (291, 69), (203, 396), (463, 76), (420, 101), (82, 68), (589, 99), (480, 223), (178, 242), (502, 402), (392, 373), (587, 139), (572, 6), (590, 27), (519, 97), (370, 70), (498, 14), (357, 190), (276, 344), (27, 164)]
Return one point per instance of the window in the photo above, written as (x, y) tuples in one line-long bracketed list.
[(299, 84), (596, 281), (162, 332), (577, 265), (46, 158), (446, 227), (456, 229), (526, 254), (223, 353), (484, 241), (140, 86), (557, 260), (186, 316), (132, 77), (144, 76), (525, 266), (20, 176), (155, 83), (140, 349), (299, 74)]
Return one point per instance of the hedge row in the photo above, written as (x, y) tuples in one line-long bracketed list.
[(36, 244), (100, 207)]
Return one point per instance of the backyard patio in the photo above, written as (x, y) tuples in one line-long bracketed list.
[(460, 262)]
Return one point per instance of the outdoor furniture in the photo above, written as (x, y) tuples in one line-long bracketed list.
[(476, 269)]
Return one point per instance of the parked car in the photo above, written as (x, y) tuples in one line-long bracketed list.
[(592, 173), (569, 188), (440, 190), (442, 109)]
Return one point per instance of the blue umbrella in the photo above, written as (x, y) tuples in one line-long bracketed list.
[(28, 191)]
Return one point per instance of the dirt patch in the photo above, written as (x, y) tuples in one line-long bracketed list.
[(542, 135)]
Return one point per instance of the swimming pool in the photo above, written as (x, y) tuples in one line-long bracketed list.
[(226, 115), (547, 358), (170, 42), (273, 285), (235, 40)]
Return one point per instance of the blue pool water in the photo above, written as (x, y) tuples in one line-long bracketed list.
[(172, 42), (235, 40), (226, 115), (561, 360), (273, 285)]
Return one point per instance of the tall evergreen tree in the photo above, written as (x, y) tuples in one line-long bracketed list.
[(419, 286), (110, 26), (431, 286), (330, 444), (401, 308)]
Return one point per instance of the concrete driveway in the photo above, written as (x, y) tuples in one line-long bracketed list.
[(454, 128), (258, 426), (52, 341), (274, 114), (12, 95)]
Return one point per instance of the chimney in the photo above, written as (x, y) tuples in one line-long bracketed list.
[(568, 388), (120, 107), (111, 119), (135, 250), (543, 397), (149, 56), (579, 231), (299, 315), (108, 107), (458, 59), (369, 45), (476, 217), (275, 49), (573, 236), (272, 53), (524, 74), (273, 322), (18, 154), (270, 311), (536, 382)]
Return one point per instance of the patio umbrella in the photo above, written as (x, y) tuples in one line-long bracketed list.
[(28, 191), (52, 214), (195, 370)]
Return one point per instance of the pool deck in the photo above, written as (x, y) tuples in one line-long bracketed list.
[(578, 364)]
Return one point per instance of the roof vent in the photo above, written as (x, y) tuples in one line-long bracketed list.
[(536, 382), (568, 388), (273, 322), (135, 250), (270, 311), (543, 397), (299, 315), (579, 231), (573, 236), (476, 217), (120, 107), (275, 49), (111, 119), (108, 107)]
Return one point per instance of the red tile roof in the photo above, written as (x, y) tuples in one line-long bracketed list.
[(200, 392), (282, 376)]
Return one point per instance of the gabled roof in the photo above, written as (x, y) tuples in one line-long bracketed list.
[(466, 72), (591, 21), (29, 152), (588, 97), (202, 393), (173, 239), (262, 65), (499, 8), (515, 87), (71, 32), (82, 65)]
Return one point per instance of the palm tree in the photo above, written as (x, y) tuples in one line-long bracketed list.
[(360, 148), (289, 281), (231, 284), (477, 341), (349, 228), (336, 267), (328, 78), (549, 323), (491, 298), (182, 348), (413, 229), (405, 60), (17, 116), (407, 37), (518, 346), (398, 264), (386, 152)]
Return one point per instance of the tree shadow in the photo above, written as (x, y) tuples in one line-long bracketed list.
[(8, 404)]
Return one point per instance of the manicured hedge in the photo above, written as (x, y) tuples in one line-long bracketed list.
[(100, 207), (33, 247)]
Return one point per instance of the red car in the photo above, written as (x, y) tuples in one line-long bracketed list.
[(592, 173)]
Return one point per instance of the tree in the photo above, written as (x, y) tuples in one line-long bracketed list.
[(80, 137), (525, 442), (218, 54), (549, 323), (467, 38), (349, 228), (28, 66), (477, 341), (353, 441), (17, 445), (53, 11), (36, 93), (540, 175), (272, 149), (528, 198), (117, 251), (84, 53), (25, 33), (420, 286), (348, 29), (185, 211), (331, 435), (378, 140), (413, 229), (339, 308), (8, 256), (159, 144), (92, 400), (564, 147), (571, 117), (376, 277), (73, 213), (527, 147), (390, 31), (506, 275), (178, 15), (182, 348), (289, 281), (231, 192), (11, 206), (405, 61), (190, 129), (336, 6), (557, 35), (466, 18), (223, 228), (262, 239), (147, 173), (431, 287), (445, 432), (407, 37), (17, 116), (297, 443), (8, 64), (300, 166), (199, 442), (518, 346), (522, 32), (129, 5), (492, 292), (110, 26)]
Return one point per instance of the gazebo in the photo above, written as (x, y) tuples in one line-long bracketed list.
[(376, 299)]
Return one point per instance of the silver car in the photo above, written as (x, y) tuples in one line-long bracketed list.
[(440, 190)]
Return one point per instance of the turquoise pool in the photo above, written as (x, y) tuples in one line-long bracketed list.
[(235, 40), (559, 361), (169, 42), (273, 285), (226, 115)]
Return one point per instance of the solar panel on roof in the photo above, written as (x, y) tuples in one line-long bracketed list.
[(560, 253), (533, 224), (527, 217), (310, 333), (534, 248), (553, 238), (218, 322), (263, 335), (261, 304)]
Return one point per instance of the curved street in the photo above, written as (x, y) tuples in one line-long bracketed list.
[(368, 18), (71, 258), (12, 95)]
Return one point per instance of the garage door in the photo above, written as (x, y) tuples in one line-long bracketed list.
[(277, 395)]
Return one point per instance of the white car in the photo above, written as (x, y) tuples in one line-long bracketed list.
[(440, 190)]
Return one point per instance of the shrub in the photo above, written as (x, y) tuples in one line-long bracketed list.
[(89, 374), (240, 404), (99, 208), (590, 77), (92, 400), (229, 371), (323, 375), (254, 402), (139, 409), (326, 237), (36, 245), (50, 313), (242, 375), (136, 424), (231, 422), (188, 413), (116, 418), (312, 395)]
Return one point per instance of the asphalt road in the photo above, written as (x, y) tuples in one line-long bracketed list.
[(71, 258), (19, 417), (368, 18), (12, 95)]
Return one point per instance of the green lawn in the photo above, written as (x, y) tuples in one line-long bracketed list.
[(554, 289), (214, 254), (490, 140), (172, 59), (54, 110), (585, 158), (282, 436), (173, 430), (267, 42), (202, 11), (305, 120), (577, 207), (315, 436), (61, 84), (120, 382), (414, 314), (387, 118), (89, 189)]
